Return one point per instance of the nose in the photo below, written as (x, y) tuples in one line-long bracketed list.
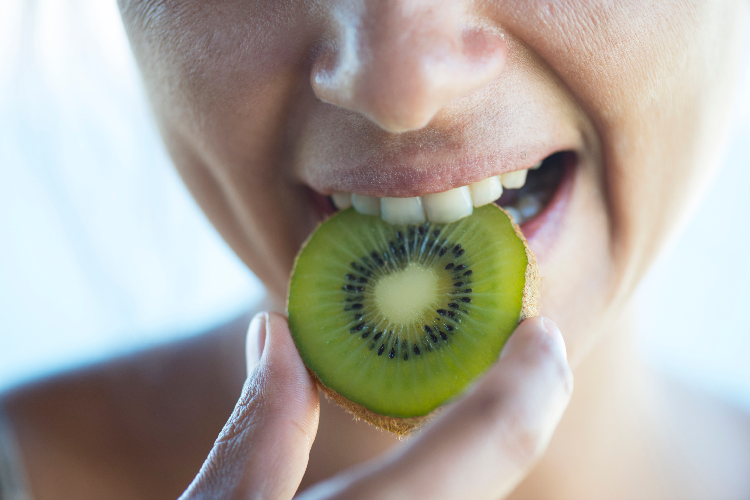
[(399, 62)]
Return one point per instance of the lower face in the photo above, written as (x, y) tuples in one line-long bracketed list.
[(615, 134)]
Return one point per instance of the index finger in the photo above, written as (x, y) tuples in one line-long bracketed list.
[(482, 446)]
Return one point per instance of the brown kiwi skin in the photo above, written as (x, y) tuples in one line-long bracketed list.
[(404, 426)]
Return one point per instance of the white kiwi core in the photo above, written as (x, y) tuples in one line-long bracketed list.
[(405, 295)]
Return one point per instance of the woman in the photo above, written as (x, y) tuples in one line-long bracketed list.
[(269, 108)]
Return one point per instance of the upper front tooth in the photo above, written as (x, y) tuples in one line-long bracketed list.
[(341, 200), (514, 180), (402, 210), (448, 206), (368, 205), (440, 208), (486, 191)]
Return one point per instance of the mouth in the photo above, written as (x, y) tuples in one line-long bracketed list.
[(535, 197)]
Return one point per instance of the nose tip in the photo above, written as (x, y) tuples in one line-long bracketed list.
[(401, 74)]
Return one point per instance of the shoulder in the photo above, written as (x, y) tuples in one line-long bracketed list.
[(139, 425)]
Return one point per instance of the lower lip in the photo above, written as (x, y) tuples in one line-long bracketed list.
[(543, 230)]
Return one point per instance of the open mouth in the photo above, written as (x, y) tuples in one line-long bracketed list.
[(527, 194)]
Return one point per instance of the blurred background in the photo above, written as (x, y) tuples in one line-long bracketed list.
[(102, 250)]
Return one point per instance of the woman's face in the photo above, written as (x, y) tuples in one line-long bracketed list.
[(268, 107)]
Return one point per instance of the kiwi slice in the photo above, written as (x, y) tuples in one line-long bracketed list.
[(395, 321)]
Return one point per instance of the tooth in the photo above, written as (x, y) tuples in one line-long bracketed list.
[(517, 217), (402, 210), (448, 206), (368, 205), (486, 191), (528, 206), (514, 180), (342, 200), (536, 167)]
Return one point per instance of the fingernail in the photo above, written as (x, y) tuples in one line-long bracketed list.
[(554, 332), (256, 340), (542, 330)]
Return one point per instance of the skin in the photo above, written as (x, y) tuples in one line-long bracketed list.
[(267, 107)]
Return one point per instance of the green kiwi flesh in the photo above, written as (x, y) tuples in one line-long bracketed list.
[(395, 321)]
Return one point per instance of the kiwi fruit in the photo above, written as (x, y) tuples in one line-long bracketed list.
[(395, 321)]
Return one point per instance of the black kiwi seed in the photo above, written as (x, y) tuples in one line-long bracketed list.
[(460, 268), (378, 335), (391, 354), (416, 350), (377, 258), (458, 284), (443, 335), (357, 327), (450, 266), (381, 349)]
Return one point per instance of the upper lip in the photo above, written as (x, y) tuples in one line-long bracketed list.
[(417, 175)]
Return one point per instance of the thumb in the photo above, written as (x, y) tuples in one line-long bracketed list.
[(263, 450)]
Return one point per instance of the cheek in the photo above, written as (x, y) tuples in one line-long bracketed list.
[(655, 78), (221, 82)]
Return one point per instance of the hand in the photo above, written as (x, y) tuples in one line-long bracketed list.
[(480, 447)]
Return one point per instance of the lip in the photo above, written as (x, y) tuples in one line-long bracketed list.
[(406, 175), (543, 230)]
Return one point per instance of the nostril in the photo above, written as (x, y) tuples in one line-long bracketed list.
[(332, 75)]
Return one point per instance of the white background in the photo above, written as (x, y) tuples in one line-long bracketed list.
[(103, 251)]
